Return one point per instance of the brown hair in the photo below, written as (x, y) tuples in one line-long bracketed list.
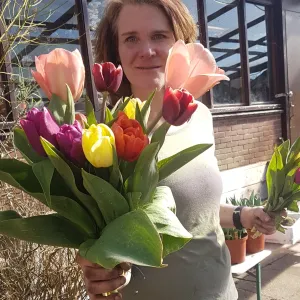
[(106, 43)]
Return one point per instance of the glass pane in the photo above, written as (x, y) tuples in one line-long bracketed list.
[(192, 7), (258, 53), (55, 26), (224, 44)]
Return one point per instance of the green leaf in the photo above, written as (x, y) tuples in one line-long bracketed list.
[(8, 214), (117, 105), (22, 143), (48, 229), (132, 238), (160, 134), (294, 206), (134, 200), (121, 107), (175, 236), (138, 117), (90, 113), (19, 175), (294, 152), (145, 176), (284, 150), (108, 116), (66, 173), (43, 171), (115, 174), (163, 196), (70, 108), (171, 164), (58, 109), (111, 203), (146, 106)]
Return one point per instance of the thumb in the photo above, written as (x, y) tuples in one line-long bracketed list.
[(260, 214)]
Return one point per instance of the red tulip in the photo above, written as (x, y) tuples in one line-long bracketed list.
[(178, 106), (297, 176), (192, 67), (58, 68), (107, 77), (130, 139)]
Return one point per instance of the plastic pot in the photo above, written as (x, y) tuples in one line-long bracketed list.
[(255, 245), (237, 249)]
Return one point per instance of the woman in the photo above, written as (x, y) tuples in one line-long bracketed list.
[(138, 35)]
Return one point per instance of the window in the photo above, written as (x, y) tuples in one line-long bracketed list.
[(237, 35)]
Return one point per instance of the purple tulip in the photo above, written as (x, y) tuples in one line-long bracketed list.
[(69, 141), (297, 176), (40, 123)]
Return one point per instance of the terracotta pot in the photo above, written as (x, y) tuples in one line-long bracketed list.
[(237, 249), (255, 245)]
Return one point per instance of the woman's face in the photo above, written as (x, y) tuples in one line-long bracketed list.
[(144, 40)]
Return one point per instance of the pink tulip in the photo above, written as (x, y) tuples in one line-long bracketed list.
[(58, 68), (81, 118), (192, 67)]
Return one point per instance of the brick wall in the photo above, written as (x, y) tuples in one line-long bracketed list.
[(244, 140)]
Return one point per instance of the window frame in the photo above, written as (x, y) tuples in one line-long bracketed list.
[(245, 104)]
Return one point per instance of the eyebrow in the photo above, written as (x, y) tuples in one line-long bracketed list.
[(155, 32)]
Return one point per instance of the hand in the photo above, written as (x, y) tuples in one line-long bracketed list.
[(256, 217), (99, 281)]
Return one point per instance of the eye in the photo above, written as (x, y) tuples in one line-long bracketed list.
[(131, 39), (159, 36)]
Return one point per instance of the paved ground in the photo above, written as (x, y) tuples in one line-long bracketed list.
[(280, 276)]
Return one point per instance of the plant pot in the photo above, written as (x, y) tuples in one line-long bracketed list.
[(237, 249), (255, 245)]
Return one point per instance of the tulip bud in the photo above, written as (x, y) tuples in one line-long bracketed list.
[(130, 108), (69, 139), (98, 142), (107, 77), (81, 118), (40, 123), (178, 106), (130, 139), (297, 176)]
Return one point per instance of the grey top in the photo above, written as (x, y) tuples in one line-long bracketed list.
[(201, 270)]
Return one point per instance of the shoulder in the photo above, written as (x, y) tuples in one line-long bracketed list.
[(203, 113)]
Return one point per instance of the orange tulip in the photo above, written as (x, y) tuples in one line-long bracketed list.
[(81, 118), (58, 68), (192, 67), (130, 139)]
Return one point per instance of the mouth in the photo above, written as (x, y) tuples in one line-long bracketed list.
[(148, 68)]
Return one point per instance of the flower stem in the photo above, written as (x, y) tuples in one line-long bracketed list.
[(103, 106)]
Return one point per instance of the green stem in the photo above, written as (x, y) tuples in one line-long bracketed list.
[(103, 107), (154, 122)]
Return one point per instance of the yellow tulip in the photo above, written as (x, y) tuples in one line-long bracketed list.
[(97, 143), (130, 108)]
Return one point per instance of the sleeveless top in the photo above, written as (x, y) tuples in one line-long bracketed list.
[(201, 270)]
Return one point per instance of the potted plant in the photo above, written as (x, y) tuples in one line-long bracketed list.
[(254, 244), (236, 243)]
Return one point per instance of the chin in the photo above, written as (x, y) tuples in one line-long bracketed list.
[(153, 83)]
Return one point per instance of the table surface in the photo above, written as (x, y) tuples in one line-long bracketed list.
[(251, 261)]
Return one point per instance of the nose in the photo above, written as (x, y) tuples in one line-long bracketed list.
[(147, 50)]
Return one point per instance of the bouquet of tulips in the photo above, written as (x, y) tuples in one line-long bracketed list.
[(283, 181), (101, 180)]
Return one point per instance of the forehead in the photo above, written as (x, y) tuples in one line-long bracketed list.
[(142, 18)]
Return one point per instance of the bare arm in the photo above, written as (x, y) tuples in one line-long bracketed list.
[(250, 217)]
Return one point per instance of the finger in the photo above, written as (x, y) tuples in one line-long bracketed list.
[(261, 215), (100, 287), (125, 266), (84, 262), (97, 274), (110, 297), (266, 231)]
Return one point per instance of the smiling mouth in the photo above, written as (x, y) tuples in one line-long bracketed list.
[(148, 68)]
